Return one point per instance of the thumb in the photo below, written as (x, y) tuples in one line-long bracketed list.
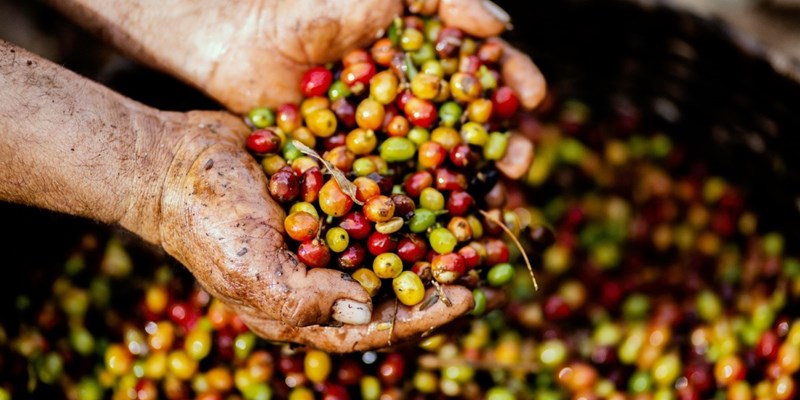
[(218, 219), (522, 75), (317, 295), (481, 18)]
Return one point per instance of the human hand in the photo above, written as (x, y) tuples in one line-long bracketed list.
[(253, 53), (217, 218)]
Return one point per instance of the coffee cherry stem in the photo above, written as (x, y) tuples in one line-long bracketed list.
[(429, 302), (441, 293), (516, 242), (394, 319), (345, 185)]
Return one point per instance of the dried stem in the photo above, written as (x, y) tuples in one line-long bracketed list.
[(516, 242)]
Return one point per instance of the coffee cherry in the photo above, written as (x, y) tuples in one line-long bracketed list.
[(263, 141), (379, 243), (284, 185), (301, 226), (447, 268), (408, 288), (333, 201), (356, 225), (412, 248), (504, 102), (387, 265), (368, 280), (314, 253), (337, 239), (352, 257), (379, 208), (316, 81)]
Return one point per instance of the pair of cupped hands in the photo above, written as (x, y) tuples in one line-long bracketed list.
[(204, 199)]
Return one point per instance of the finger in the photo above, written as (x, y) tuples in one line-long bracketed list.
[(522, 75), (219, 220), (226, 126), (480, 18), (319, 294), (409, 323), (518, 157), (423, 7)]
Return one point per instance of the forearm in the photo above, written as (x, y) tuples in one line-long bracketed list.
[(70, 145), (161, 35)]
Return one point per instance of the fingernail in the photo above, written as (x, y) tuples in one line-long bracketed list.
[(496, 11), (351, 312)]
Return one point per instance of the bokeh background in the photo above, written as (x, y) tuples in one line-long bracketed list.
[(713, 83)]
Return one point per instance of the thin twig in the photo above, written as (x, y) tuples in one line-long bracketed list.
[(516, 242), (394, 318), (442, 294)]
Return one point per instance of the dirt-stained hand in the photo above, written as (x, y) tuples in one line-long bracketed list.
[(270, 51), (218, 219)]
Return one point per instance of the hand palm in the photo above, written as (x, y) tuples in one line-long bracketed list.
[(278, 41), (218, 220)]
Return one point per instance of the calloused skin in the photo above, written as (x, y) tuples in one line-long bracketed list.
[(183, 181)]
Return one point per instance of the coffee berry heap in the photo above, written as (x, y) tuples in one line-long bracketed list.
[(383, 168)]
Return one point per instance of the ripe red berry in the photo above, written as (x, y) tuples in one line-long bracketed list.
[(403, 98), (284, 185), (357, 76), (316, 82), (379, 243), (471, 257), (337, 140), (496, 251), (555, 308), (263, 141), (450, 180), (353, 256), (462, 156), (345, 112), (392, 369), (356, 224), (504, 102), (448, 41), (412, 248), (314, 253), (311, 182), (420, 112), (459, 203), (417, 182), (447, 268)]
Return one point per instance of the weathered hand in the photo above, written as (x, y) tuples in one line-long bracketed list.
[(253, 52), (214, 212), (217, 218), (268, 54)]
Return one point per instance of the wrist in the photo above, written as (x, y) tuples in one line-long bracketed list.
[(167, 153), (156, 138)]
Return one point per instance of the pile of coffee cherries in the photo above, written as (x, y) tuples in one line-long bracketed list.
[(383, 167), (658, 284)]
